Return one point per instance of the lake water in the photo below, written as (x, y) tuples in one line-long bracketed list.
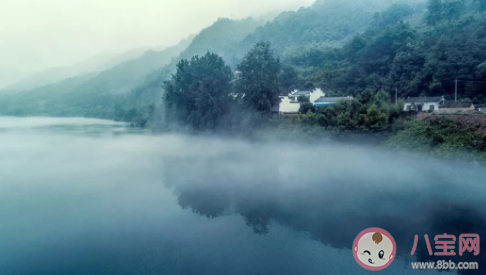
[(85, 196)]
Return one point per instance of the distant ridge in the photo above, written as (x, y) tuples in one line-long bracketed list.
[(94, 64)]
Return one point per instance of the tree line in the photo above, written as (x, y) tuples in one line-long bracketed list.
[(206, 95)]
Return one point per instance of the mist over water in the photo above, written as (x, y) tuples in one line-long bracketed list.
[(83, 196)]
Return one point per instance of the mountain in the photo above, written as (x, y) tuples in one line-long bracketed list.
[(9, 74), (221, 37), (303, 39), (326, 23), (94, 64), (91, 94), (413, 50), (323, 24), (95, 94)]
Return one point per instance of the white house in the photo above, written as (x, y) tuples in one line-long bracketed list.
[(480, 107), (423, 104), (290, 104), (312, 95)]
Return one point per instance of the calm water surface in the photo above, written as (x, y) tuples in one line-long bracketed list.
[(85, 196)]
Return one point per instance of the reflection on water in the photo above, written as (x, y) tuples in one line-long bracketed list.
[(332, 193), (74, 202), (406, 197), (80, 126)]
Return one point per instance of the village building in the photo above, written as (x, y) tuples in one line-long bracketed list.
[(436, 104), (480, 108), (290, 104), (423, 104)]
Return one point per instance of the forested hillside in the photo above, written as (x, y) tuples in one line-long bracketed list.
[(222, 37), (130, 85), (416, 60), (415, 48), (91, 95), (89, 66), (323, 25), (326, 23)]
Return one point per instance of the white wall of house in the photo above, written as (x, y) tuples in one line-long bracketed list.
[(287, 107), (407, 107), (425, 107), (316, 94)]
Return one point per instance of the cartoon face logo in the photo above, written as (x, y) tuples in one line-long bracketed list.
[(374, 249)]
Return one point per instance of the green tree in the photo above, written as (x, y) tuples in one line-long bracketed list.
[(375, 119), (258, 78), (303, 99), (306, 107), (198, 94), (392, 15), (381, 98), (288, 78), (453, 9), (406, 65)]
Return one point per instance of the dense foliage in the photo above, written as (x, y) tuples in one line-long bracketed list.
[(415, 60), (204, 94), (441, 137), (198, 95), (257, 79), (368, 113), (325, 23)]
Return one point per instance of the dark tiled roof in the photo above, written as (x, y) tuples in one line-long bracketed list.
[(302, 93), (424, 99), (330, 99), (453, 104)]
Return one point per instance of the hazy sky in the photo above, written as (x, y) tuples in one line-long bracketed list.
[(38, 34)]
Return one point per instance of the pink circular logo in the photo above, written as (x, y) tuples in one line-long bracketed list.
[(374, 249)]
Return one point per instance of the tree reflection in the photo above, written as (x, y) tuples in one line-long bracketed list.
[(257, 211), (332, 211), (209, 202)]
